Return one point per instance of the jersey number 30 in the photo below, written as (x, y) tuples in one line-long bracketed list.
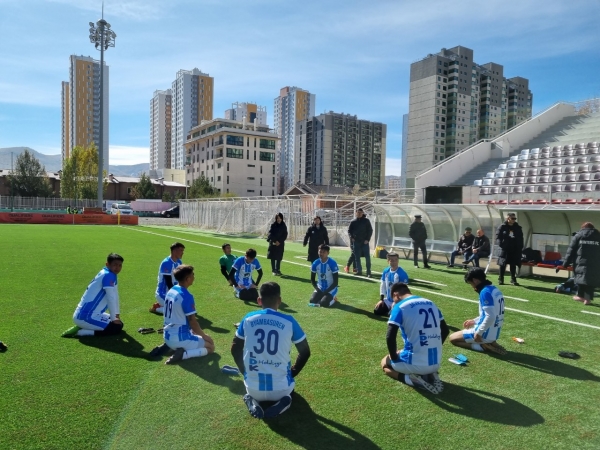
[(271, 344)]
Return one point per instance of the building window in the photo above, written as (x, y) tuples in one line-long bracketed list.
[(219, 178), (267, 143), (251, 165), (254, 142), (254, 155), (250, 178), (228, 181), (273, 170), (218, 165), (235, 140), (273, 185), (227, 167), (250, 190), (267, 156), (235, 153), (261, 181), (260, 169)]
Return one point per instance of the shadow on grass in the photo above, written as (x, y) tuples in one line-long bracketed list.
[(122, 343), (302, 426), (484, 406), (207, 368), (543, 289), (548, 366), (293, 278), (424, 284), (362, 312), (207, 324)]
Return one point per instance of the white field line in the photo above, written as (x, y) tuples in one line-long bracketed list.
[(557, 319), (589, 312), (516, 298)]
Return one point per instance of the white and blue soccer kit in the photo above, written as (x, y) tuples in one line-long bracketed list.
[(419, 321), (100, 295), (167, 266), (268, 336), (179, 304), (243, 272), (388, 278), (491, 316), (324, 273)]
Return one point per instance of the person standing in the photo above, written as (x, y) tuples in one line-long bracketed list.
[(418, 233), (276, 238), (463, 247), (315, 236), (360, 232), (480, 248), (584, 255), (509, 237)]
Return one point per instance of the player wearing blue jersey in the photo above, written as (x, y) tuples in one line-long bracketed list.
[(424, 330), (392, 274), (326, 287), (181, 330), (482, 332), (245, 288), (90, 316), (166, 279), (261, 349)]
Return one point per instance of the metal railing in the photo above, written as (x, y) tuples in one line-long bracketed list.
[(43, 203)]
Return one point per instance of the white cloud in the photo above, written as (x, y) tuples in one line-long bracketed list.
[(121, 155)]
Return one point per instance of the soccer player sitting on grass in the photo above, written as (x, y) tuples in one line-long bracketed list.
[(181, 331), (424, 330), (261, 350), (166, 280), (90, 317), (391, 275), (241, 276), (326, 287), (226, 262), (482, 332)]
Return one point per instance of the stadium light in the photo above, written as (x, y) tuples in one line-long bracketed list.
[(102, 37)]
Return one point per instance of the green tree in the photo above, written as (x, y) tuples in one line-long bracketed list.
[(29, 177), (80, 174), (167, 197), (201, 188), (179, 195), (144, 188)]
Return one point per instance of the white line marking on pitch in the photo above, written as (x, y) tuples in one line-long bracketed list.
[(516, 298), (557, 319), (589, 312)]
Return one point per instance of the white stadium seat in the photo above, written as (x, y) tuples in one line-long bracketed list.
[(584, 177)]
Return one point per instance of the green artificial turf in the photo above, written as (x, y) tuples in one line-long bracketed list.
[(90, 393)]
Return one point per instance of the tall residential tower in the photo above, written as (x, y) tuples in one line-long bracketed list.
[(160, 130)]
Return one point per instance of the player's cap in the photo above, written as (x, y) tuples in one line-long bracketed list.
[(418, 216)]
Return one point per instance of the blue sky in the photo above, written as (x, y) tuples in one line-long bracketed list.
[(354, 55)]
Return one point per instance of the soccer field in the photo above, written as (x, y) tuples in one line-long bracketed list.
[(106, 393)]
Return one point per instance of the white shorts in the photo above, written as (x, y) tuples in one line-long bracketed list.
[(189, 344), (96, 323), (469, 334), (159, 299), (269, 396), (406, 368)]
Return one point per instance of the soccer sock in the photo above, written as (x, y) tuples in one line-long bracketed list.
[(407, 380), (160, 310), (477, 347), (85, 333), (195, 353)]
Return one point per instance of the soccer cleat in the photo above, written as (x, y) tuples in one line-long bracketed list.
[(3, 347), (71, 332), (159, 350), (418, 381), (236, 294), (427, 266), (274, 274), (254, 407), (450, 265), (155, 306), (278, 408), (501, 281), (514, 282), (346, 269), (437, 383), (236, 325), (416, 266), (494, 347), (354, 270), (176, 357), (279, 274), (368, 275)]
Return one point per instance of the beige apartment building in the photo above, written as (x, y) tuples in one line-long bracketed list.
[(237, 157)]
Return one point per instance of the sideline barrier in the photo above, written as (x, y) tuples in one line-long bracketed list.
[(67, 219)]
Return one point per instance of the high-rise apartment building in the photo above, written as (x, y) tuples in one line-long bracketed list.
[(80, 101), (236, 157), (160, 130), (404, 158), (455, 101), (340, 150), (292, 105), (250, 111), (191, 102)]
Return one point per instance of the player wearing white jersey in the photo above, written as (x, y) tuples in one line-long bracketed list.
[(326, 287), (181, 330), (90, 316), (166, 279), (424, 330), (392, 274), (261, 350), (482, 332), (245, 288)]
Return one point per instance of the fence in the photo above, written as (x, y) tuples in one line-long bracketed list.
[(43, 203)]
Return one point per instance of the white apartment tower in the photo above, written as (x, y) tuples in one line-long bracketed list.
[(292, 105), (80, 101), (160, 130), (250, 111), (191, 103)]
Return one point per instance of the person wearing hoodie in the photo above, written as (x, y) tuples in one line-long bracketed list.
[(276, 238), (360, 232), (584, 255), (509, 237), (315, 236)]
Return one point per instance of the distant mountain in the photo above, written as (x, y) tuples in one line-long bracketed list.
[(53, 163)]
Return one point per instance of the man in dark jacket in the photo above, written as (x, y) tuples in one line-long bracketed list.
[(509, 237), (418, 234), (584, 255), (480, 249), (463, 247), (360, 232)]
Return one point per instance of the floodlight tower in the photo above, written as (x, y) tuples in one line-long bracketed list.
[(102, 37)]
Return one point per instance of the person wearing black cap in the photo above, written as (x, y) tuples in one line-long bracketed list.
[(509, 237), (418, 234), (463, 247)]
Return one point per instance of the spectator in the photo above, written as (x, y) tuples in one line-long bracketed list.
[(480, 249), (276, 238), (315, 236), (584, 255), (418, 234), (509, 237), (463, 247), (360, 232)]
